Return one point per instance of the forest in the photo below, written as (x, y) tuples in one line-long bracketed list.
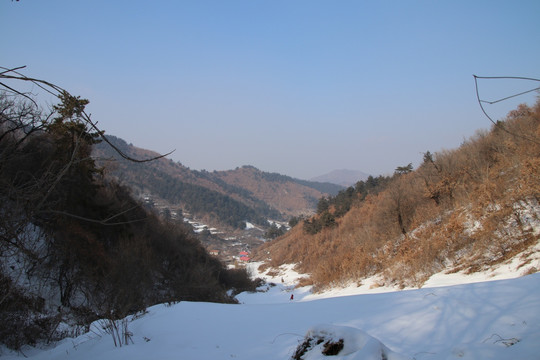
[(225, 202), (75, 246)]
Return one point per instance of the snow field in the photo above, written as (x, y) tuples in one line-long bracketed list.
[(487, 320)]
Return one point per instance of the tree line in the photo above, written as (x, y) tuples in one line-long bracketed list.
[(331, 208)]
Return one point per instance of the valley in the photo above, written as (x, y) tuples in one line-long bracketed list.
[(226, 244), (230, 211), (262, 180), (108, 244)]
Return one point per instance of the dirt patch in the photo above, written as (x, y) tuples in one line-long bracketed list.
[(330, 347)]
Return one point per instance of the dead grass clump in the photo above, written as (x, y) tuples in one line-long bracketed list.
[(530, 271), (304, 281), (330, 348), (273, 273), (262, 268)]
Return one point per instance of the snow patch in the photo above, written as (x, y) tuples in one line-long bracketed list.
[(250, 226)]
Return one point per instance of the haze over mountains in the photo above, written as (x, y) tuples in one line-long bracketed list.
[(343, 177)]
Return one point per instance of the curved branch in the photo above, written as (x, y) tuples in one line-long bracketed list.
[(498, 123), (87, 119), (13, 74), (101, 222)]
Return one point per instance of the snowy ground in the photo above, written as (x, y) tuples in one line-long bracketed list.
[(485, 320)]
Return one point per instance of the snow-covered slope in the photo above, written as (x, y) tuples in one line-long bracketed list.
[(486, 320)]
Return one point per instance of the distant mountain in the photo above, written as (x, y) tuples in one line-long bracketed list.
[(220, 197), (290, 196), (342, 177)]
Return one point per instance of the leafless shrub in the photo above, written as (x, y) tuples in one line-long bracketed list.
[(118, 330)]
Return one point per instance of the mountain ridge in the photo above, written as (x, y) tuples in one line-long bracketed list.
[(228, 197), (343, 177)]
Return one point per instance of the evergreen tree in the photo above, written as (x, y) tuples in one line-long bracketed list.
[(400, 170), (323, 205)]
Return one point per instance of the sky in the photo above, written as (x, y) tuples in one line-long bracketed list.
[(295, 87)]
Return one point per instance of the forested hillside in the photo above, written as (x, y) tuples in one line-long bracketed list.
[(464, 209), (292, 197), (226, 198), (75, 246)]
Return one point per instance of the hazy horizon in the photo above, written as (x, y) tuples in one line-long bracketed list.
[(300, 88)]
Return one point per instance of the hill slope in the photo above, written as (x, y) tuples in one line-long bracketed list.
[(226, 197), (290, 196), (465, 209)]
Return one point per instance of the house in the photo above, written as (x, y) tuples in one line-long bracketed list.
[(244, 256)]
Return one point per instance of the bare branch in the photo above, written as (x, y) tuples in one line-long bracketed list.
[(11, 70), (498, 123), (101, 222), (57, 91), (87, 119)]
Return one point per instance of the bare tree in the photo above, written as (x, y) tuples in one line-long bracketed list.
[(73, 105)]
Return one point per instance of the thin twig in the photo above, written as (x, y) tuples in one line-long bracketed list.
[(101, 222), (57, 91), (498, 123)]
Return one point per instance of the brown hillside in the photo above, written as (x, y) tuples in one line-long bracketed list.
[(464, 209), (247, 185), (289, 197), (141, 172)]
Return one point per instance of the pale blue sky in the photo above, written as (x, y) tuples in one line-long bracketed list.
[(295, 87)]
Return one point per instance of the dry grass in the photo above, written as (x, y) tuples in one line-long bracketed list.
[(462, 211)]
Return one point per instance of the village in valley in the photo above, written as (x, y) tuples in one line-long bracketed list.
[(233, 248)]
